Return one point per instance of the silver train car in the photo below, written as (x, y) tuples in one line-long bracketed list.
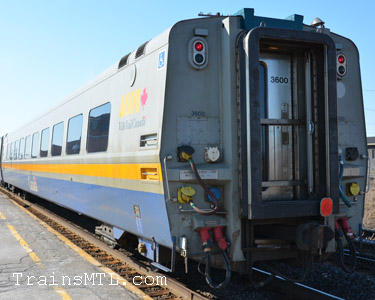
[(232, 139)]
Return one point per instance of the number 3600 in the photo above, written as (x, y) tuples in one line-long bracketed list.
[(277, 79)]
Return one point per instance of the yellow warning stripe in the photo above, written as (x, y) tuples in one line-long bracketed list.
[(62, 292), (2, 217), (122, 171), (122, 281), (23, 243), (59, 290)]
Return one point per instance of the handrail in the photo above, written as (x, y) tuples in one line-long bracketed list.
[(368, 167), (168, 157)]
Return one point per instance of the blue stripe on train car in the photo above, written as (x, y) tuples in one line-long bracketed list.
[(114, 206)]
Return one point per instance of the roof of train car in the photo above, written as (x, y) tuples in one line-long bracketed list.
[(152, 45), (248, 19)]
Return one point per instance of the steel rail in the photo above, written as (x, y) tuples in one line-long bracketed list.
[(292, 290)]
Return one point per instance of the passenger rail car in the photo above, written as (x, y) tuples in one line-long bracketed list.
[(234, 139)]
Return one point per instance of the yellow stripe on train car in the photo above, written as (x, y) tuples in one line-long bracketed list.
[(150, 171)]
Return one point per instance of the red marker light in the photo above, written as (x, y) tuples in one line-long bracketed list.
[(198, 46), (326, 207), (341, 59)]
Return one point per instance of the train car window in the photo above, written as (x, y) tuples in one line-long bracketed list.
[(57, 139), (11, 151), (21, 149), (35, 145), (27, 147), (44, 143), (16, 145), (73, 141), (98, 129)]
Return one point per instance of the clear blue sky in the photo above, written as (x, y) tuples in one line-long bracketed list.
[(50, 48)]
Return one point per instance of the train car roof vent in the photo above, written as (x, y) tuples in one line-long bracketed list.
[(141, 50), (124, 61)]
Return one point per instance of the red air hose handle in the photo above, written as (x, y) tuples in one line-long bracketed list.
[(206, 239), (219, 237)]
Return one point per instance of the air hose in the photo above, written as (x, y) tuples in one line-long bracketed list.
[(208, 271), (342, 194), (206, 189), (350, 267)]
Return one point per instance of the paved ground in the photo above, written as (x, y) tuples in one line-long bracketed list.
[(35, 264)]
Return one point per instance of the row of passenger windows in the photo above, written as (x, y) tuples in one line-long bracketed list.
[(97, 137)]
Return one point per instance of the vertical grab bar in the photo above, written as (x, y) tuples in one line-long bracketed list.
[(168, 157), (309, 124), (368, 166)]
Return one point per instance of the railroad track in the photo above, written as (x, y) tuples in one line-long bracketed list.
[(291, 290), (128, 269)]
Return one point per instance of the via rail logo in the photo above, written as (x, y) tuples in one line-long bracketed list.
[(132, 101), (32, 183)]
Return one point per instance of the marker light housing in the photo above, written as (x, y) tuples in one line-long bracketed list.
[(341, 65), (198, 53)]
